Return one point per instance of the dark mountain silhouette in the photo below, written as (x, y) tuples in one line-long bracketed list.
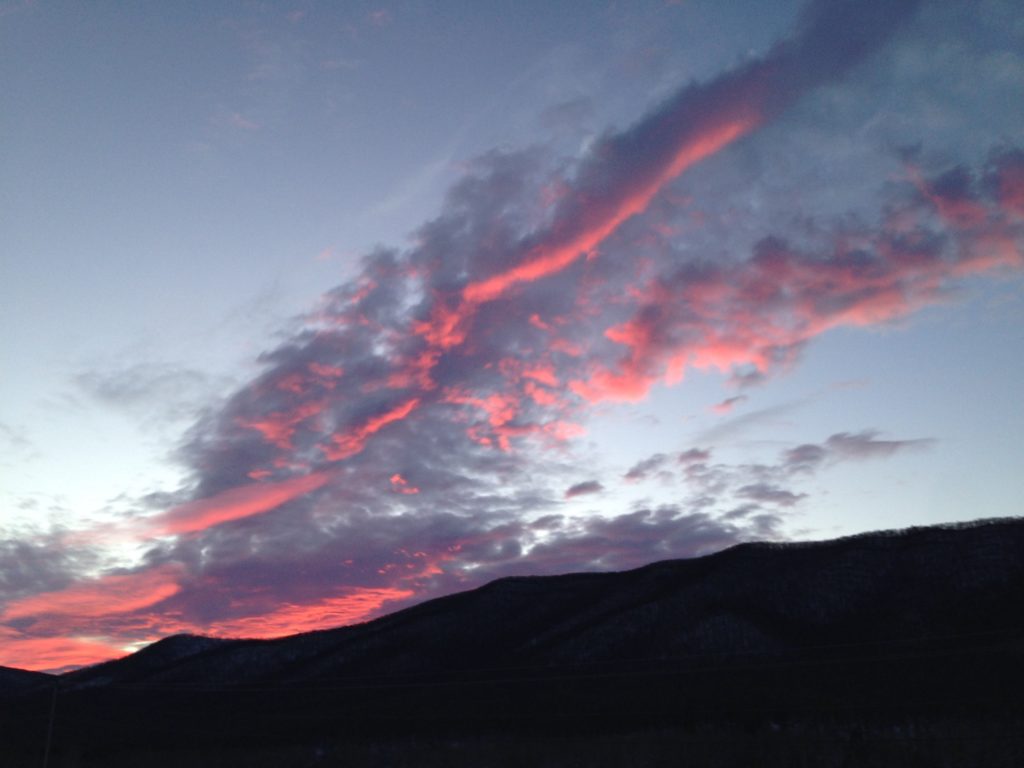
[(18, 681), (878, 647)]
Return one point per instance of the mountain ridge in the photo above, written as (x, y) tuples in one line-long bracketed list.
[(735, 622), (890, 648)]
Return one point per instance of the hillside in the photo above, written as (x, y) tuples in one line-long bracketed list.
[(14, 682), (916, 629)]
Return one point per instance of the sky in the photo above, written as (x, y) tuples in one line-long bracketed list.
[(314, 311)]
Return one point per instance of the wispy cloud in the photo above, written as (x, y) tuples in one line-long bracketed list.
[(844, 446), (728, 404), (586, 488), (736, 425), (110, 594), (739, 490), (642, 469), (380, 17)]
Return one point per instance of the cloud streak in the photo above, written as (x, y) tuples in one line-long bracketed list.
[(234, 504), (586, 488)]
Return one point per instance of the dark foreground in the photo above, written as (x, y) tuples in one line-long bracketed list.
[(880, 650)]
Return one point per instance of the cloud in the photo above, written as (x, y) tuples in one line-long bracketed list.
[(15, 445), (641, 536), (694, 455), (757, 315), (168, 391), (585, 488), (728, 404), (771, 494), (53, 654), (738, 491), (845, 446), (805, 458), (464, 367), (400, 485), (351, 606), (568, 115), (332, 558), (33, 562), (234, 504), (864, 445), (623, 173), (730, 428), (15, 438), (109, 594), (642, 469), (1005, 181)]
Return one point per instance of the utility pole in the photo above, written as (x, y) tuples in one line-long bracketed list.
[(49, 728)]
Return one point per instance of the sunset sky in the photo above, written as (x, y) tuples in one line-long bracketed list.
[(312, 311)]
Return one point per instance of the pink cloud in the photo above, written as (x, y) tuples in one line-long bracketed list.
[(103, 596), (352, 441), (234, 504), (52, 654), (355, 605), (401, 485), (760, 312)]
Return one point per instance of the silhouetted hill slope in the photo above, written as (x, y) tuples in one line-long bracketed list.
[(144, 664), (896, 588), (892, 640), (18, 681)]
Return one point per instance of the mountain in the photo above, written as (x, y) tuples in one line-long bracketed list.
[(14, 682), (884, 641)]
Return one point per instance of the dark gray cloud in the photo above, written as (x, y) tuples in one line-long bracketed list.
[(844, 446), (866, 445), (642, 469), (739, 491), (805, 458), (638, 537), (694, 456), (770, 494), (40, 563), (585, 488)]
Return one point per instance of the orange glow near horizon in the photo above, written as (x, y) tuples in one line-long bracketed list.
[(355, 606), (110, 594), (58, 654), (53, 654)]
